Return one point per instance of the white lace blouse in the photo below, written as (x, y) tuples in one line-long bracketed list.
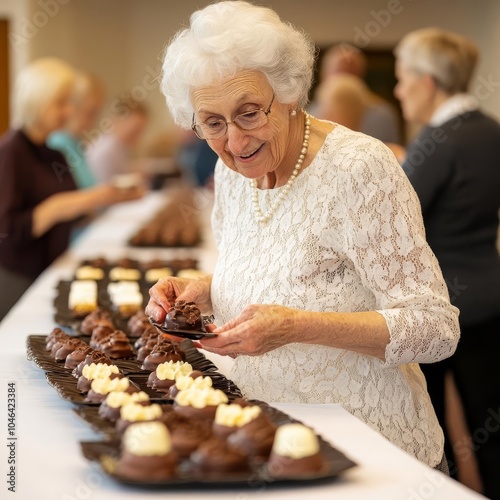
[(348, 237)]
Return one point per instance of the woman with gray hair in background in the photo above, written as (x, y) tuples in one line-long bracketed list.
[(39, 202), (325, 290), (454, 167)]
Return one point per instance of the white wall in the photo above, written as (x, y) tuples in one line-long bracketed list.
[(122, 40)]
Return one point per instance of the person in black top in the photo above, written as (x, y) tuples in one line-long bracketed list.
[(454, 166), (38, 198)]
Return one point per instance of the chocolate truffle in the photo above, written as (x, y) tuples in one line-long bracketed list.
[(73, 359), (187, 434), (68, 347), (231, 417), (91, 320), (138, 323), (149, 334), (162, 352), (216, 456), (94, 371), (117, 346), (147, 453), (255, 438), (55, 336), (102, 330), (138, 412), (184, 316), (95, 357), (101, 387), (111, 406), (165, 375), (199, 403), (296, 452), (195, 379)]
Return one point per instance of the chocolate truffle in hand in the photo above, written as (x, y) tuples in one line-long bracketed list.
[(184, 316), (147, 453)]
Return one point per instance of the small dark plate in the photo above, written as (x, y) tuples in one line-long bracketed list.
[(106, 454), (185, 334)]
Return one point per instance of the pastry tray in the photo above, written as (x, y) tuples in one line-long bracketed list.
[(61, 379), (106, 453)]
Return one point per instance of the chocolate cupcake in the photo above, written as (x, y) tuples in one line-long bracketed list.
[(184, 316), (147, 453), (94, 371), (215, 456), (117, 346), (163, 378), (296, 452), (199, 403), (95, 357), (111, 406), (68, 347), (163, 352), (73, 359), (91, 320), (55, 336)]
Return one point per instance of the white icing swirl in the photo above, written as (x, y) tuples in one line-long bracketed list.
[(236, 416), (201, 398), (183, 382), (117, 399), (99, 370), (170, 369), (135, 412), (106, 385)]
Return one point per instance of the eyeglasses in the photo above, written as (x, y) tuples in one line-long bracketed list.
[(215, 128)]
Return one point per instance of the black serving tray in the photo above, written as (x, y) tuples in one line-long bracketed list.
[(106, 454)]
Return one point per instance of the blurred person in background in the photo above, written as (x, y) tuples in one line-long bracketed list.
[(38, 200), (109, 155), (379, 119), (454, 167), (342, 99), (87, 102)]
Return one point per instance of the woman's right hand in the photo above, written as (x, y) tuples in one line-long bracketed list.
[(167, 291)]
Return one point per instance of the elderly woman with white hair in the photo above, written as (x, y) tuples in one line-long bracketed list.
[(39, 202), (453, 166), (325, 290)]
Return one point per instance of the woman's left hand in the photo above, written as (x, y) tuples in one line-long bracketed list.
[(257, 330)]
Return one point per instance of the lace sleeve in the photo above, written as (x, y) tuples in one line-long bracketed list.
[(385, 239)]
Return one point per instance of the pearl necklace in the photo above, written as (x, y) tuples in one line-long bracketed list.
[(264, 217)]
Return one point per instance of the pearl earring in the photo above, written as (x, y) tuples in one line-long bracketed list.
[(293, 112)]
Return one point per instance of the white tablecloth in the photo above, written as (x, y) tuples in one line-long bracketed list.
[(49, 463)]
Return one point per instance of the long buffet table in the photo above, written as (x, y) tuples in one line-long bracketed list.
[(49, 464)]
